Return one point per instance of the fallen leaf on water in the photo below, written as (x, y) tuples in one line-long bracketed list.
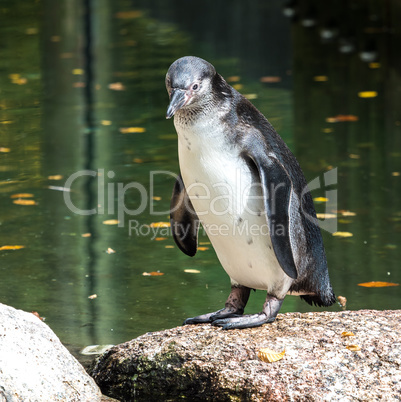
[(110, 251), (347, 333), (354, 156), (11, 247), (160, 225), (347, 213), (395, 174), (374, 65), (342, 234), (377, 284), (116, 86), (22, 195), (156, 198), (320, 78), (79, 85), (341, 118), (160, 238), (234, 78), (78, 71), (320, 199), (32, 31), (94, 296), (327, 130), (192, 271), (325, 216), (203, 248), (203, 243), (342, 300), (168, 246), (367, 94), (55, 177), (354, 348), (105, 122), (153, 273), (111, 222), (137, 160), (270, 79), (4, 149), (20, 201), (251, 96), (86, 234), (270, 356), (238, 87), (127, 130)]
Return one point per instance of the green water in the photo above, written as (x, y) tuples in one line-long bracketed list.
[(59, 116)]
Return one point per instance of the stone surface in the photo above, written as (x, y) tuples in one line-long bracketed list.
[(207, 363), (35, 366)]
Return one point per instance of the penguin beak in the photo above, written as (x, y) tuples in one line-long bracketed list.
[(178, 99)]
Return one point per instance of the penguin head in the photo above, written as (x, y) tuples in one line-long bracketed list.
[(189, 84)]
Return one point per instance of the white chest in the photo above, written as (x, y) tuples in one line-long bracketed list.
[(229, 202)]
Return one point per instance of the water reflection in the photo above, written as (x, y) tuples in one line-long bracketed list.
[(66, 94)]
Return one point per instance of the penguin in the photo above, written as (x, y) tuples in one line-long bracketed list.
[(242, 183)]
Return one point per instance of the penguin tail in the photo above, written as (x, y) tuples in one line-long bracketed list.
[(324, 300)]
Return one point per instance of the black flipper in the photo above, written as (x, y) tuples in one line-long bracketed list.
[(277, 189), (183, 219)]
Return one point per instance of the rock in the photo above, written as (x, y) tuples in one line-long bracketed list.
[(35, 366), (207, 363)]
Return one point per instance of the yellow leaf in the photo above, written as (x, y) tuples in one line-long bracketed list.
[(110, 251), (203, 248), (24, 202), (127, 130), (168, 246), (137, 160), (327, 130), (238, 87), (342, 234), (321, 78), (11, 247), (341, 118), (105, 122), (86, 234), (156, 198), (160, 238), (116, 86), (251, 96), (92, 296), (204, 243), (234, 78), (320, 199), (354, 348), (347, 333), (367, 94), (192, 271), (160, 225), (270, 356), (395, 174), (348, 213), (374, 65), (55, 177), (78, 71), (4, 149), (377, 284), (342, 300), (270, 79), (111, 222), (22, 195)]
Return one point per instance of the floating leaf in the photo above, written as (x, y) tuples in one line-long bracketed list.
[(204, 243), (4, 149), (377, 284), (354, 156), (354, 348), (342, 234), (367, 94), (270, 356), (160, 225), (374, 65), (94, 296), (20, 201), (160, 238), (347, 213), (156, 198), (234, 78), (153, 273), (86, 234), (111, 222), (110, 251), (55, 177), (203, 248), (320, 78), (395, 174), (22, 195), (320, 199), (169, 246), (270, 79), (341, 118), (327, 130), (192, 271), (11, 247), (78, 71), (128, 130), (106, 122), (116, 86), (238, 87), (251, 96)]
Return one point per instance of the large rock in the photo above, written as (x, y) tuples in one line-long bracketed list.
[(206, 363), (35, 366)]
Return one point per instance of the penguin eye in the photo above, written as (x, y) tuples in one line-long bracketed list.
[(195, 87)]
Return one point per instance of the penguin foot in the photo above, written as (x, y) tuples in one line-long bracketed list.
[(271, 308), (234, 307)]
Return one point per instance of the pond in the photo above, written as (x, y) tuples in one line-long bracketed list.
[(88, 160)]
